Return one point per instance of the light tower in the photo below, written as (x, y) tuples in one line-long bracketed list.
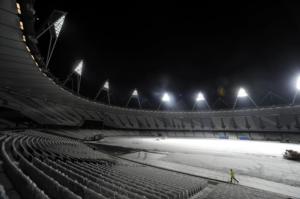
[(54, 25), (242, 93), (199, 99), (164, 99), (134, 95), (105, 88), (78, 71)]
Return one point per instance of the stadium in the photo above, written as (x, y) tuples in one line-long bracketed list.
[(56, 143)]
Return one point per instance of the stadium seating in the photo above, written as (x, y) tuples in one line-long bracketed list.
[(50, 166)]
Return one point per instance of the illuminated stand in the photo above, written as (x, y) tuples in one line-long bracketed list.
[(242, 93), (78, 71), (297, 90), (200, 98), (164, 99), (55, 24), (105, 87), (135, 95)]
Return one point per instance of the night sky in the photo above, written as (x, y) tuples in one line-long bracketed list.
[(182, 48)]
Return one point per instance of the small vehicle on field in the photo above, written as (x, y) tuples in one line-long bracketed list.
[(292, 155)]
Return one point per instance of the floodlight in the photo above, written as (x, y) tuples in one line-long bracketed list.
[(135, 93), (298, 83), (297, 89), (18, 8), (58, 25), (106, 85), (21, 25), (166, 97), (104, 88), (200, 97), (78, 68), (242, 93)]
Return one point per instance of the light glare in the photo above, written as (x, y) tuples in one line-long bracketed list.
[(165, 97), (78, 68), (135, 93), (200, 97), (298, 83), (242, 93), (106, 85)]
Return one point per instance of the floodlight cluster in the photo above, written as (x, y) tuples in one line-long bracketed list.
[(58, 25), (200, 97), (106, 85), (78, 68), (166, 97), (242, 93), (135, 93)]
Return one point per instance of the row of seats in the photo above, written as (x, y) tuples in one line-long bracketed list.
[(49, 166)]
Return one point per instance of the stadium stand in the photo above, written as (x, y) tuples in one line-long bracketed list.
[(49, 166)]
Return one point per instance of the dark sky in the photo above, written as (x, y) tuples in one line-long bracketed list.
[(178, 47)]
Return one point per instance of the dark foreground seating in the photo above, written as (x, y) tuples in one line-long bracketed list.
[(2, 193), (49, 166)]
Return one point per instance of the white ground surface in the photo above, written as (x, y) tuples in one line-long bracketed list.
[(257, 164)]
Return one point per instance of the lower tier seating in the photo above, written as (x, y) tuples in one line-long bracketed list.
[(46, 166)]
